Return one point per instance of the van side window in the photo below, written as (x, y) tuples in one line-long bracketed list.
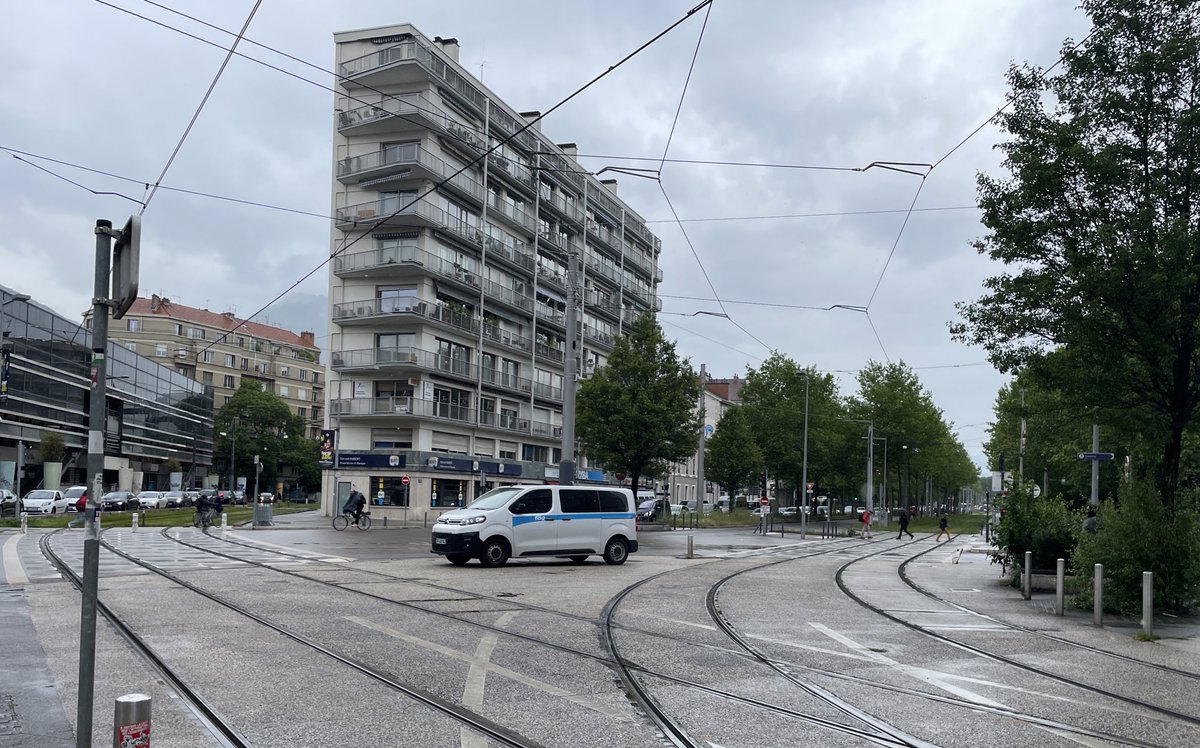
[(576, 500), (533, 502), (613, 501)]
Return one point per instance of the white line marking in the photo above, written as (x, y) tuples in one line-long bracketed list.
[(14, 573), (290, 549), (494, 668), (473, 690)]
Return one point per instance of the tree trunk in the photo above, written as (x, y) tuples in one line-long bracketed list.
[(634, 481), (1168, 479)]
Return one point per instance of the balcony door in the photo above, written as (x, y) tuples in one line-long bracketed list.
[(396, 298)]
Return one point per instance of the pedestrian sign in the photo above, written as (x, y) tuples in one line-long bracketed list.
[(1101, 456)]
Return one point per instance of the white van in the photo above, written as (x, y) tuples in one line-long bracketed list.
[(527, 521)]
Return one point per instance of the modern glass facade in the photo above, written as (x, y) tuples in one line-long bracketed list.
[(154, 413)]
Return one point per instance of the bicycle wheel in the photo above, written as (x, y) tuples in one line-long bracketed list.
[(364, 522), (196, 519), (341, 522)]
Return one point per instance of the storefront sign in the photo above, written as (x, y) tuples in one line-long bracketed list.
[(371, 460)]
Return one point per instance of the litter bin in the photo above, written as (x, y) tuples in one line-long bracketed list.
[(263, 509)]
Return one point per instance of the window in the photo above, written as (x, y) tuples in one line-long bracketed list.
[(133, 347), (241, 342), (394, 492), (304, 375), (452, 403), (228, 381), (245, 364), (283, 371), (230, 360), (195, 333), (225, 400), (447, 492), (508, 450), (579, 500), (283, 391), (396, 298), (613, 501), (534, 453), (302, 412), (389, 438), (537, 501), (453, 357), (316, 378), (179, 329), (301, 393), (207, 357), (133, 325), (206, 377), (160, 349)]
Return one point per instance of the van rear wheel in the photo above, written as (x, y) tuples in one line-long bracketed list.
[(458, 559), (616, 551), (494, 553)]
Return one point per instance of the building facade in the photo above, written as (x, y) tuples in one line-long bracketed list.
[(155, 414), (680, 483), (205, 346), (448, 283)]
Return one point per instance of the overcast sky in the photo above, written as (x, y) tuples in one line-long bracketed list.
[(841, 84)]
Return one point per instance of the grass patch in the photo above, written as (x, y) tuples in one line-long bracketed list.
[(154, 517), (1142, 636)]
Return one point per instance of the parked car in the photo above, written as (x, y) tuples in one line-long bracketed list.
[(177, 499), (232, 497), (192, 497), (787, 511), (43, 501), (152, 500), (647, 511), (239, 497), (8, 502), (266, 498), (116, 501), (76, 497)]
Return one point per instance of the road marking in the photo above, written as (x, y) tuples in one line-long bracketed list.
[(473, 691), (14, 573), (291, 549), (494, 668), (704, 626), (931, 677)]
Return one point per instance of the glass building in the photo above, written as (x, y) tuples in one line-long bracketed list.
[(154, 413)]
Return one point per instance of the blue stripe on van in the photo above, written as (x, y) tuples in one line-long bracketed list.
[(522, 519)]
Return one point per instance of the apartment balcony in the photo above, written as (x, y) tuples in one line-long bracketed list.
[(386, 262), (515, 215), (400, 407), (388, 313), (555, 317), (503, 294), (406, 161), (515, 341), (569, 209), (517, 253), (597, 336), (511, 172), (406, 112), (552, 278), (550, 353), (504, 381), (388, 212), (404, 63), (547, 392), (399, 360)]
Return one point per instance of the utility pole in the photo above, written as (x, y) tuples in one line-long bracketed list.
[(566, 466), (1021, 446), (700, 492), (804, 469), (871, 467), (1095, 498)]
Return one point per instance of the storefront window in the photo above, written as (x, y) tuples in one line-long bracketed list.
[(395, 493), (448, 492)]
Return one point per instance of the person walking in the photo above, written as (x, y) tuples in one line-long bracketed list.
[(943, 527), (904, 526), (865, 518)]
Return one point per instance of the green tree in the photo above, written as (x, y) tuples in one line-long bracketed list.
[(1098, 222), (260, 423), (731, 458), (640, 412), (51, 447)]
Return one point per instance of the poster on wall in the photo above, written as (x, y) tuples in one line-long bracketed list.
[(360, 389), (325, 458)]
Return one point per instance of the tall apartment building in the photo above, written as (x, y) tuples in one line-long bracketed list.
[(205, 346), (447, 312)]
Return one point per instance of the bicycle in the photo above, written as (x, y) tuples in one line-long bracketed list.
[(345, 519), (205, 519)]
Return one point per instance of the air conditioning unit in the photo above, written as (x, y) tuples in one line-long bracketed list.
[(558, 431)]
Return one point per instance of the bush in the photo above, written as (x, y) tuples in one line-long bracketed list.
[(51, 447), (1042, 525), (172, 466), (1139, 535)]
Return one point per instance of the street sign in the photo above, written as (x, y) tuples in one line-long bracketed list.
[(126, 257), (1101, 456), (708, 430), (764, 501), (404, 480)]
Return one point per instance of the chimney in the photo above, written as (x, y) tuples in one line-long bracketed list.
[(611, 184), (309, 339), (569, 148), (449, 46), (530, 117), (155, 303)]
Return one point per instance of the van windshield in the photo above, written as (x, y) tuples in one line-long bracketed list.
[(496, 498)]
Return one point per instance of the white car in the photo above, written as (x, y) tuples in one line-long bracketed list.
[(152, 500), (44, 501)]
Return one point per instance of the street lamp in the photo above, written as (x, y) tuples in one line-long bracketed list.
[(232, 457)]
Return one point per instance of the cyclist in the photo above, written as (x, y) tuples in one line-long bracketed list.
[(354, 504)]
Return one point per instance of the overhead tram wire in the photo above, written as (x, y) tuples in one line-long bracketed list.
[(530, 123), (683, 92), (196, 115), (828, 214)]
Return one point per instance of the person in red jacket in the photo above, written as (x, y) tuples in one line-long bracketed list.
[(866, 524)]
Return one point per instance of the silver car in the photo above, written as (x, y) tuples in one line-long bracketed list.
[(152, 500), (44, 501), (177, 499)]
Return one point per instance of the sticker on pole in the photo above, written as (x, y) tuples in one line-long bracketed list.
[(136, 735)]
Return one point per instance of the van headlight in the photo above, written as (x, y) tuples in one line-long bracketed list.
[(479, 519)]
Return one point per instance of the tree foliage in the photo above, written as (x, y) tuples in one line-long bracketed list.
[(640, 412), (1043, 525), (731, 458), (51, 447), (1098, 223), (256, 422)]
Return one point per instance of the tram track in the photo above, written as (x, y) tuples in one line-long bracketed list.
[(981, 652)]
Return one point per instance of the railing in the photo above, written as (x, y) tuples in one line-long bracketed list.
[(380, 211), (411, 406), (508, 295), (410, 153), (499, 378), (512, 212), (548, 352), (507, 338), (349, 310), (546, 391), (603, 338), (402, 356), (402, 105), (550, 315), (374, 258)]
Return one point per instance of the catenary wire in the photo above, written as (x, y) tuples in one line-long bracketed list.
[(196, 115), (683, 93), (827, 214), (56, 175), (895, 244), (482, 156)]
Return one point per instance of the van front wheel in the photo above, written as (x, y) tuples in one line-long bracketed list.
[(494, 553), (616, 552)]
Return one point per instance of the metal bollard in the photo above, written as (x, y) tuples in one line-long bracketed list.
[(24, 522), (689, 546), (1148, 603), (131, 720), (385, 520), (1027, 576), (134, 517), (1098, 595), (224, 520), (1059, 579)]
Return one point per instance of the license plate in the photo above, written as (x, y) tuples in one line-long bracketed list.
[(439, 541)]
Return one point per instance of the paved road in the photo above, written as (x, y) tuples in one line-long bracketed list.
[(755, 641)]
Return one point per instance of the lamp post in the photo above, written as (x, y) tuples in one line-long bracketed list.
[(232, 456), (804, 469)]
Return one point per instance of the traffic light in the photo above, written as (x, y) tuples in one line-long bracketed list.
[(762, 483)]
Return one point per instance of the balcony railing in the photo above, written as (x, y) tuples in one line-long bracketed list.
[(597, 336), (513, 213), (551, 353), (405, 407), (507, 338), (403, 211), (409, 154), (404, 105), (402, 357), (546, 391)]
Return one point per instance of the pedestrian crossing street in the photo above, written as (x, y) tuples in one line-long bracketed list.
[(147, 544)]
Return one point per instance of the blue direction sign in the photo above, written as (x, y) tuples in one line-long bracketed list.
[(1101, 456)]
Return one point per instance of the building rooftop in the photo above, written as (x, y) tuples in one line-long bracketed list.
[(162, 306)]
